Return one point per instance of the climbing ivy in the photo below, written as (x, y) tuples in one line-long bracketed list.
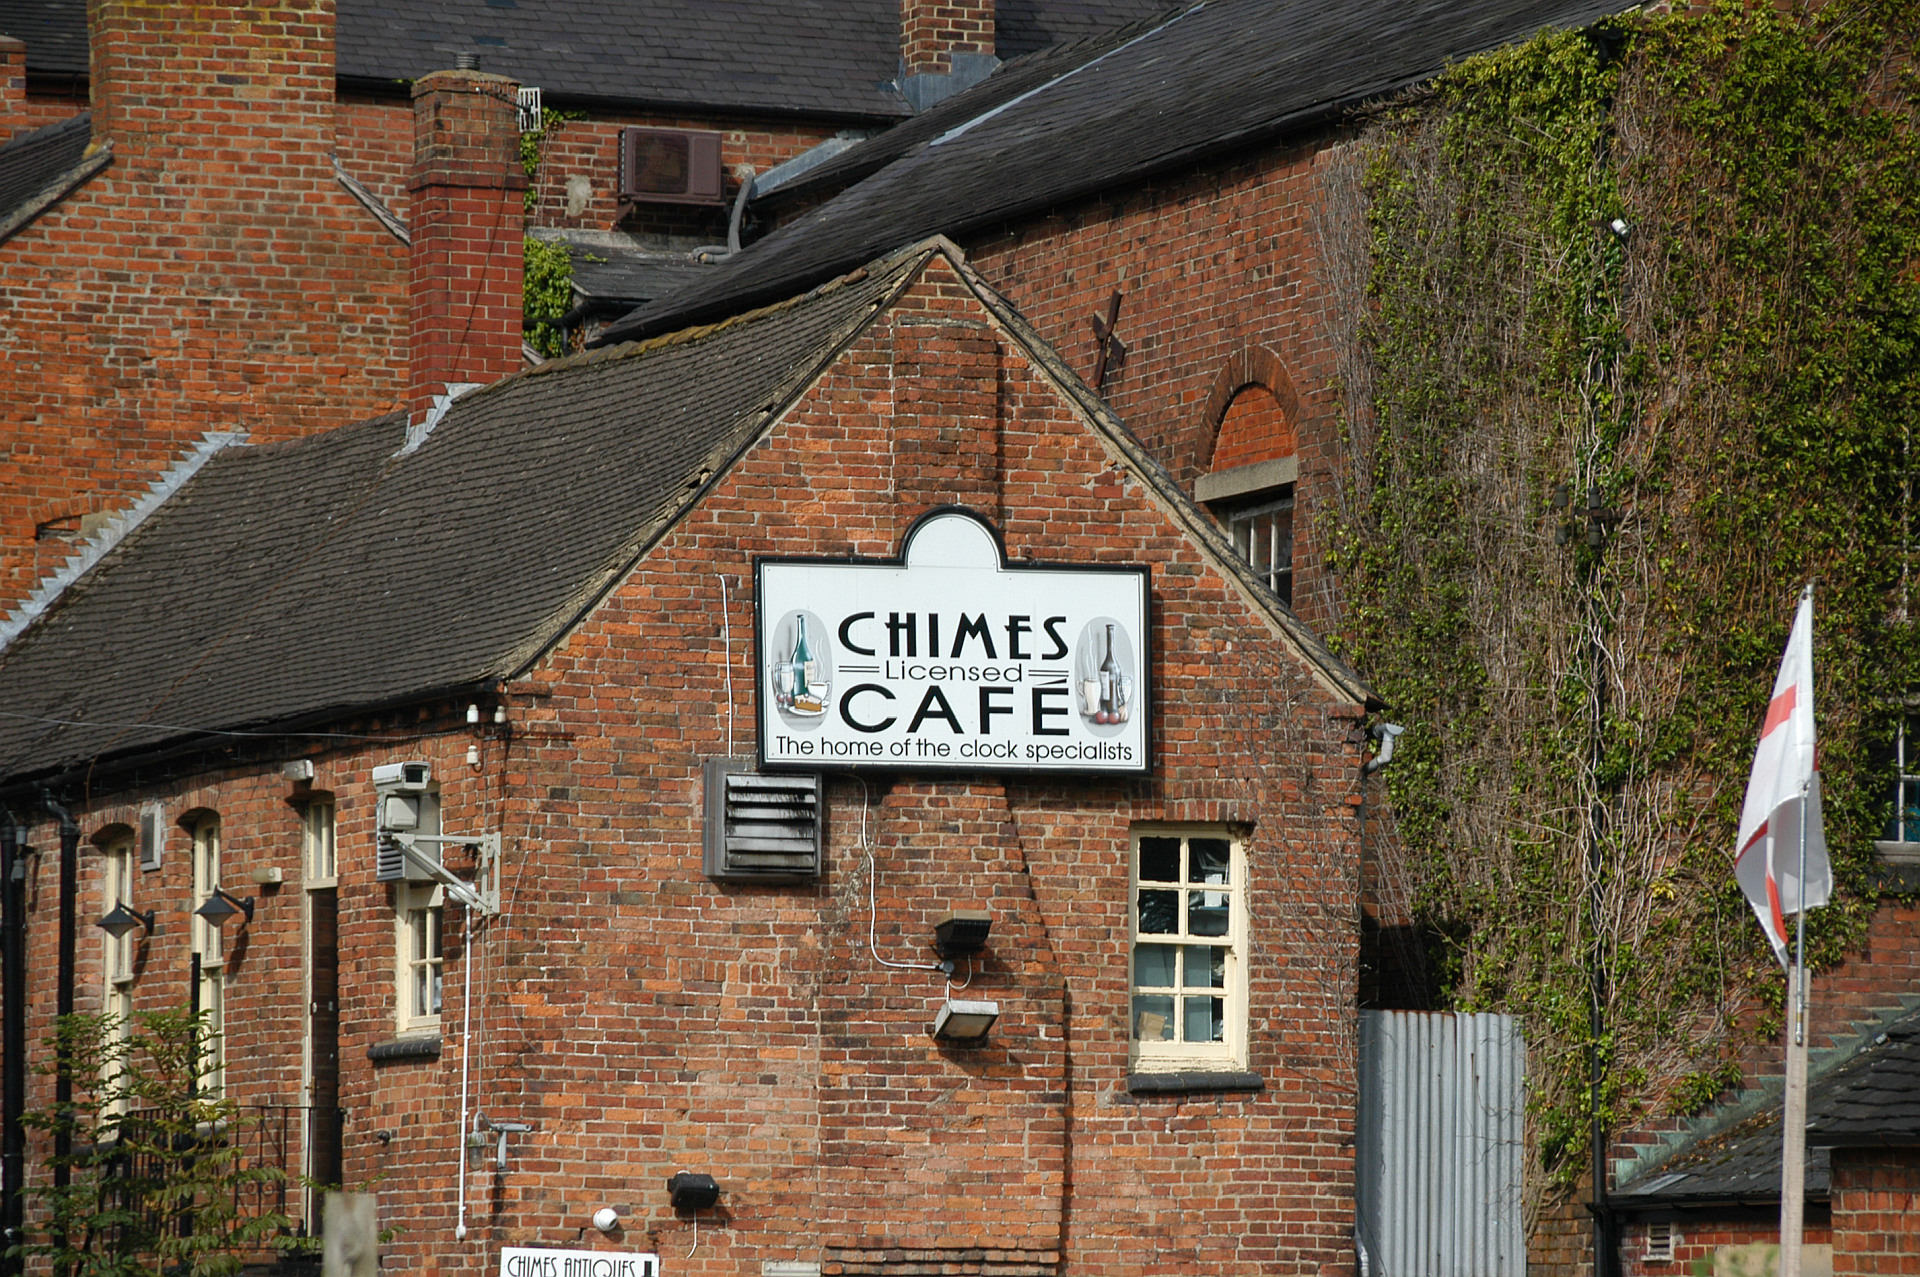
[(547, 293), (547, 276), (1635, 359)]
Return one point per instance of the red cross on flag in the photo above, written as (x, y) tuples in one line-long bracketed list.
[(1783, 795)]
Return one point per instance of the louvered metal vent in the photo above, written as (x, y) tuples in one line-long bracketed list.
[(761, 827), (152, 838)]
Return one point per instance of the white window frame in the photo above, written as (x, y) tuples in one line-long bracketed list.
[(319, 849), (1243, 500), (418, 907), (207, 942), (419, 944), (117, 876), (1148, 1055)]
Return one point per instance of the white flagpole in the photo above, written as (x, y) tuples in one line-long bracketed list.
[(1793, 1113)]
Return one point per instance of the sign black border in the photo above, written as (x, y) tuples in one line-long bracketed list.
[(1147, 656)]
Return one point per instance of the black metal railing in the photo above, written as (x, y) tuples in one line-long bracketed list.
[(258, 1138)]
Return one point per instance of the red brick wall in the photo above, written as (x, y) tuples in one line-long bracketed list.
[(1211, 263), (1698, 1241), (213, 277), (646, 1020), (1255, 428), (1876, 1211)]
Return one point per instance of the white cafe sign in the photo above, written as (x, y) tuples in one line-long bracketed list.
[(526, 1262), (950, 660)]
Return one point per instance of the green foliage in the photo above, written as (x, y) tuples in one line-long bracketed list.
[(547, 294), (1734, 377), (547, 282), (157, 1179)]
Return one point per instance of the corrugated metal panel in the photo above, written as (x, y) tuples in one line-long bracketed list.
[(1441, 1124)]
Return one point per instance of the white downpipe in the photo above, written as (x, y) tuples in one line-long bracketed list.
[(466, 1047)]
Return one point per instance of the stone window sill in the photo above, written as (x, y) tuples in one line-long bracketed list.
[(1193, 1080), (413, 1048)]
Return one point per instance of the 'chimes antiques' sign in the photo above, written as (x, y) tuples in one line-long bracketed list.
[(950, 660)]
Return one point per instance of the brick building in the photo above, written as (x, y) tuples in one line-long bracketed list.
[(1095, 187), (563, 601), (204, 210)]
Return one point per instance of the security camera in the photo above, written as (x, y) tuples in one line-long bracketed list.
[(403, 778)]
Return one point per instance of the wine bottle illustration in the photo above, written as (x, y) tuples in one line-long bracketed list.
[(1109, 675), (809, 692)]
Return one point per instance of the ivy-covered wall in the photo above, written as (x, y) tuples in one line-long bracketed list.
[(1634, 354)]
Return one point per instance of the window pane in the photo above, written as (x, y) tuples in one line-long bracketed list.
[(417, 932), (1206, 913), (1208, 860), (1205, 1020), (1153, 1018), (1908, 817), (1159, 912), (434, 982), (1153, 965), (1206, 968), (1260, 542), (1160, 860)]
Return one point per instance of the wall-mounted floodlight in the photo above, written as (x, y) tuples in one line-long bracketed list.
[(690, 1191), (962, 933), (120, 920), (962, 1023), (222, 905)]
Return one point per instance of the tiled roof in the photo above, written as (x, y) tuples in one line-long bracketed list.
[(823, 57), (1866, 1092), (1218, 74), (831, 57), (296, 582), (32, 162), (1021, 26), (293, 581)]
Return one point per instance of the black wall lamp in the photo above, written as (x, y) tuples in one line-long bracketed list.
[(120, 920), (962, 933), (690, 1191), (222, 905)]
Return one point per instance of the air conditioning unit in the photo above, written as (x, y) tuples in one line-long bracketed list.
[(761, 827), (670, 166)]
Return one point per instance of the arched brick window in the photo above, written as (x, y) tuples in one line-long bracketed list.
[(1249, 485)]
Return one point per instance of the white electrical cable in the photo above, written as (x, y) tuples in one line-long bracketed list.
[(466, 1044), (726, 640), (873, 908)]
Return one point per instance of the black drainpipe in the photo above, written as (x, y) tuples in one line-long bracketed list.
[(13, 1042), (63, 998)]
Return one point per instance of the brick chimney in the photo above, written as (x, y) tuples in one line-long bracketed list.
[(240, 91), (467, 225), (945, 46)]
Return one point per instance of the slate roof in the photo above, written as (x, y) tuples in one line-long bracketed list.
[(1022, 26), (821, 57), (292, 581), (297, 582), (609, 276), (1216, 75), (32, 162), (1867, 1094)]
